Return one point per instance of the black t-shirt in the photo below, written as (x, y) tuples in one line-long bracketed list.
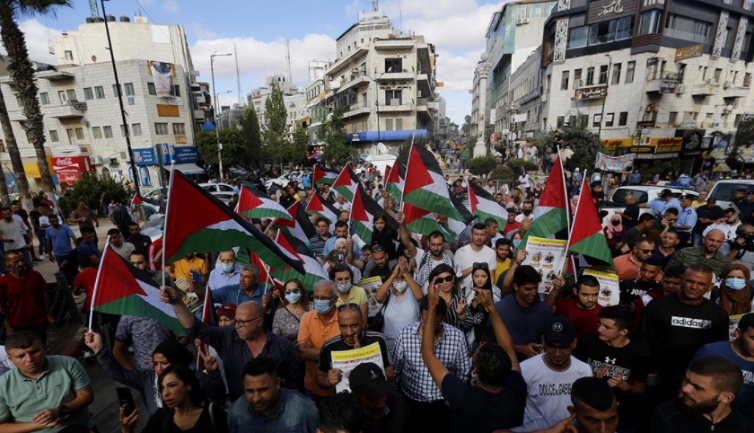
[(630, 362), (336, 344), (631, 211), (477, 410), (631, 290), (710, 212), (34, 216), (672, 417), (396, 419)]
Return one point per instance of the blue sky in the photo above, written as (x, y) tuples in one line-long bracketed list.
[(259, 30)]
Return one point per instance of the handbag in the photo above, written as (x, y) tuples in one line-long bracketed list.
[(377, 322)]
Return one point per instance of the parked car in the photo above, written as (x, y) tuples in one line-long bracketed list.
[(642, 194), (223, 191), (724, 190)]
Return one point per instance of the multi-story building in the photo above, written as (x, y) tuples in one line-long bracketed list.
[(655, 77), (384, 82), (317, 109), (258, 97), (524, 100)]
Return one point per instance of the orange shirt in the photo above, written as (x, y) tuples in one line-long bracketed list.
[(314, 330)]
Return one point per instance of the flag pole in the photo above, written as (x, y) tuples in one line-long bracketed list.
[(565, 190), (576, 212), (165, 225), (96, 284)]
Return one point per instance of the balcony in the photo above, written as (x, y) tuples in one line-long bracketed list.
[(356, 110), (72, 110), (393, 44), (404, 74), (199, 115), (396, 105), (426, 83), (709, 87), (663, 83), (733, 91)]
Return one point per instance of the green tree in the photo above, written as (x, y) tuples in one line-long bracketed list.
[(482, 165), (252, 136), (90, 188), (297, 147), (336, 151), (744, 137), (584, 143), (234, 147), (275, 133), (22, 73)]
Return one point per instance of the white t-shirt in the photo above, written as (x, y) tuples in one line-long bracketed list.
[(466, 257), (400, 311), (728, 229), (548, 392)]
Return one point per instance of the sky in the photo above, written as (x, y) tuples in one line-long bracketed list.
[(259, 29)]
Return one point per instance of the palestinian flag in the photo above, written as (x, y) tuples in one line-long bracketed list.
[(363, 210), (323, 176), (458, 223), (388, 169), (140, 200), (395, 181), (264, 272), (256, 204), (196, 221), (208, 309), (587, 237), (313, 269), (318, 207), (299, 225), (420, 221), (484, 206), (551, 214), (346, 183), (426, 187), (121, 289)]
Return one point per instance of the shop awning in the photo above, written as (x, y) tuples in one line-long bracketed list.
[(187, 168)]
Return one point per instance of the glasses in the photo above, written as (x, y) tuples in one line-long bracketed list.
[(647, 251), (290, 292), (354, 307), (448, 279), (481, 265), (242, 323)]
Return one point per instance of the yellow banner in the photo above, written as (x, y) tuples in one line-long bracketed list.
[(32, 169), (361, 352)]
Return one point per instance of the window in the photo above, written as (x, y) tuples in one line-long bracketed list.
[(136, 129), (177, 90), (99, 91), (394, 65), (388, 124), (97, 132), (161, 128), (54, 136), (80, 133), (623, 118), (44, 98), (616, 73), (687, 29), (122, 131), (398, 124), (623, 28), (630, 69), (63, 97), (71, 135), (179, 128), (747, 79), (71, 93), (577, 78), (564, 80), (603, 74), (590, 76), (672, 118), (601, 33), (116, 90), (561, 121), (129, 89), (609, 118), (151, 89), (88, 94), (69, 55), (597, 120), (393, 97), (578, 36), (649, 22), (108, 130)]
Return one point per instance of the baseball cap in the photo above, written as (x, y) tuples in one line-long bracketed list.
[(367, 379), (688, 197), (559, 329), (337, 257)]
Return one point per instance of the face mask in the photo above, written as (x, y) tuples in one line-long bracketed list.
[(516, 242), (616, 223), (227, 267), (343, 288), (293, 297), (527, 212), (400, 286), (735, 283), (322, 306)]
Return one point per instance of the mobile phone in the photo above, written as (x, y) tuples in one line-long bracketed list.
[(196, 275), (126, 400)]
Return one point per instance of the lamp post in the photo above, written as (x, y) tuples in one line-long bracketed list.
[(607, 86), (217, 98), (217, 130), (120, 102)]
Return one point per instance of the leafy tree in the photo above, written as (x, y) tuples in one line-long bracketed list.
[(234, 146), (89, 188), (515, 165), (22, 74), (584, 143), (502, 172), (482, 165), (296, 152), (275, 133), (744, 137), (252, 136), (336, 151)]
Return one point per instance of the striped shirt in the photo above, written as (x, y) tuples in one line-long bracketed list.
[(318, 245)]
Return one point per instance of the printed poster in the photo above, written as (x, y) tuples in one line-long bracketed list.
[(371, 286), (347, 360), (609, 287), (546, 256), (733, 325), (163, 78)]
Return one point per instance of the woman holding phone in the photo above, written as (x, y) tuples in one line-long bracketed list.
[(184, 409)]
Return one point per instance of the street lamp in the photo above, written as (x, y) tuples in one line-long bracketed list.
[(217, 98), (607, 86), (217, 130)]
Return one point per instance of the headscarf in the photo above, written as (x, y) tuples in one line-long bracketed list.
[(736, 301), (611, 229), (174, 352)]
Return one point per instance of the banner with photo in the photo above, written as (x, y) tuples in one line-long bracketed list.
[(163, 74), (609, 287), (347, 360), (617, 164), (546, 256)]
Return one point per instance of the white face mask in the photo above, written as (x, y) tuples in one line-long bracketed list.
[(400, 286)]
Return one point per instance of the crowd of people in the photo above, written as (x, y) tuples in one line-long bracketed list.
[(462, 336)]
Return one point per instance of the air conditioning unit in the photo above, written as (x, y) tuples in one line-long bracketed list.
[(520, 21)]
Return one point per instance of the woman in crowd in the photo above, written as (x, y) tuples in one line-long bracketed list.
[(295, 304), (384, 235), (615, 233), (226, 314), (342, 276), (482, 280), (400, 307), (458, 312), (735, 290), (184, 409)]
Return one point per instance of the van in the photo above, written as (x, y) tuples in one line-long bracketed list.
[(724, 190)]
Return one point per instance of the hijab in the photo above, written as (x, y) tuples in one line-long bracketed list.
[(611, 229), (736, 301)]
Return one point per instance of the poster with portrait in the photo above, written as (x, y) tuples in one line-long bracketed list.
[(371, 286), (609, 287), (163, 74), (347, 360), (546, 256)]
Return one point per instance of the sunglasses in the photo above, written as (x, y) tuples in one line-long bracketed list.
[(647, 251), (481, 265), (354, 307), (448, 279)]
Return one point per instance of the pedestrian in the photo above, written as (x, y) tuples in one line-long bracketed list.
[(59, 238), (23, 298), (84, 216)]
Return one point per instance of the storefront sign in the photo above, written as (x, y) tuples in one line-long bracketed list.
[(645, 124), (595, 92), (70, 168), (603, 10), (145, 156), (689, 52), (612, 144), (180, 139), (186, 154), (667, 145), (669, 86)]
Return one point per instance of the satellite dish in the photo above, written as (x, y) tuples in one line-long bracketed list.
[(381, 148), (94, 58)]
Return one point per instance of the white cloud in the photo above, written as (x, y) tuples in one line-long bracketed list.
[(38, 40), (171, 6)]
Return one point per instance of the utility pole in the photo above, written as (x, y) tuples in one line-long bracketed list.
[(238, 77), (216, 108)]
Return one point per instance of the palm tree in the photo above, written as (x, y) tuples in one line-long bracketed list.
[(22, 73), (15, 159)]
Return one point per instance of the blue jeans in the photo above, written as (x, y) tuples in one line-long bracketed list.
[(697, 237), (40, 234)]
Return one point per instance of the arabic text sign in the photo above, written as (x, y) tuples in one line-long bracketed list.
[(609, 287), (347, 360), (689, 52)]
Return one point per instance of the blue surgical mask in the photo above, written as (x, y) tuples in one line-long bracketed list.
[(293, 297), (516, 242), (322, 306), (228, 267), (343, 288), (735, 283)]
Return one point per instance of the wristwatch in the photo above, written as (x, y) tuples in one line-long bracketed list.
[(63, 411)]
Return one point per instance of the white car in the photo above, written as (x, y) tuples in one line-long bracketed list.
[(223, 191), (642, 194), (724, 190)]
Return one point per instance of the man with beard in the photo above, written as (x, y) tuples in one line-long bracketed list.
[(709, 254), (667, 247), (629, 265), (582, 308), (526, 211), (709, 388), (630, 214), (23, 298), (59, 238), (426, 260), (475, 252), (503, 249), (646, 287)]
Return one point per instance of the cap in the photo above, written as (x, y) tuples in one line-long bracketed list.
[(559, 329), (665, 193), (337, 257), (367, 379), (741, 189), (227, 309), (688, 197)]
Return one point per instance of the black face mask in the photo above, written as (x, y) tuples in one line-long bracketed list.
[(616, 223), (526, 212)]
